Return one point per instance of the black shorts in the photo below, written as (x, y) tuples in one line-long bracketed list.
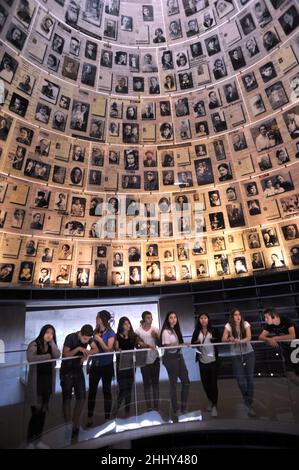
[(73, 380)]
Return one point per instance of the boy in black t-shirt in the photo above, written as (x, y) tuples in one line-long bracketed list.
[(72, 376), (280, 328)]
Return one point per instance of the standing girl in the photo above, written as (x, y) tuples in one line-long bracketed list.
[(101, 367), (238, 332), (174, 362), (204, 334), (126, 340), (41, 382)]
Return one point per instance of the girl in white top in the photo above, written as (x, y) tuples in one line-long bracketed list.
[(238, 332), (173, 360), (150, 337)]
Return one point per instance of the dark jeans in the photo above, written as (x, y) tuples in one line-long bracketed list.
[(176, 369), (208, 374), (95, 375), (37, 420), (150, 375), (125, 380), (243, 368), (73, 379)]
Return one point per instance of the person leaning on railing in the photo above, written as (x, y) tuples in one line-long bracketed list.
[(173, 360), (238, 332), (277, 329), (41, 382), (204, 334), (72, 376)]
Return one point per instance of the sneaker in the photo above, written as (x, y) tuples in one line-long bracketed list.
[(214, 412), (209, 407), (41, 445), (251, 413)]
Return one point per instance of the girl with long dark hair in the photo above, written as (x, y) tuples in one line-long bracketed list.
[(101, 367), (173, 360), (238, 332), (126, 340), (204, 334), (41, 382)]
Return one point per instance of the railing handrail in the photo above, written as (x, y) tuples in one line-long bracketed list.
[(136, 350)]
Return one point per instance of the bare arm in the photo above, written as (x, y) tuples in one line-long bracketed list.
[(226, 336), (264, 336), (248, 335), (68, 352), (106, 347)]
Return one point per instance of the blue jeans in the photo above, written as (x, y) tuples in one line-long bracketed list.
[(243, 368)]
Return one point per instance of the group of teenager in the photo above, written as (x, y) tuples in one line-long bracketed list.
[(97, 346)]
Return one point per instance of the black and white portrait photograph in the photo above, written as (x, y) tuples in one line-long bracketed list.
[(70, 68), (42, 113), (110, 29), (112, 7), (46, 26), (277, 184), (79, 116), (26, 271), (175, 29), (186, 80), (106, 58), (26, 84), (24, 136), (91, 50), (237, 58), (88, 76), (270, 40), (8, 67), (59, 121), (57, 43), (126, 23), (277, 95), (224, 7), (247, 24), (16, 36), (53, 62), (49, 91), (249, 81), (204, 171), (231, 92), (18, 105), (268, 72), (257, 104), (266, 135), (289, 21), (212, 45), (130, 133), (92, 12), (202, 128)]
